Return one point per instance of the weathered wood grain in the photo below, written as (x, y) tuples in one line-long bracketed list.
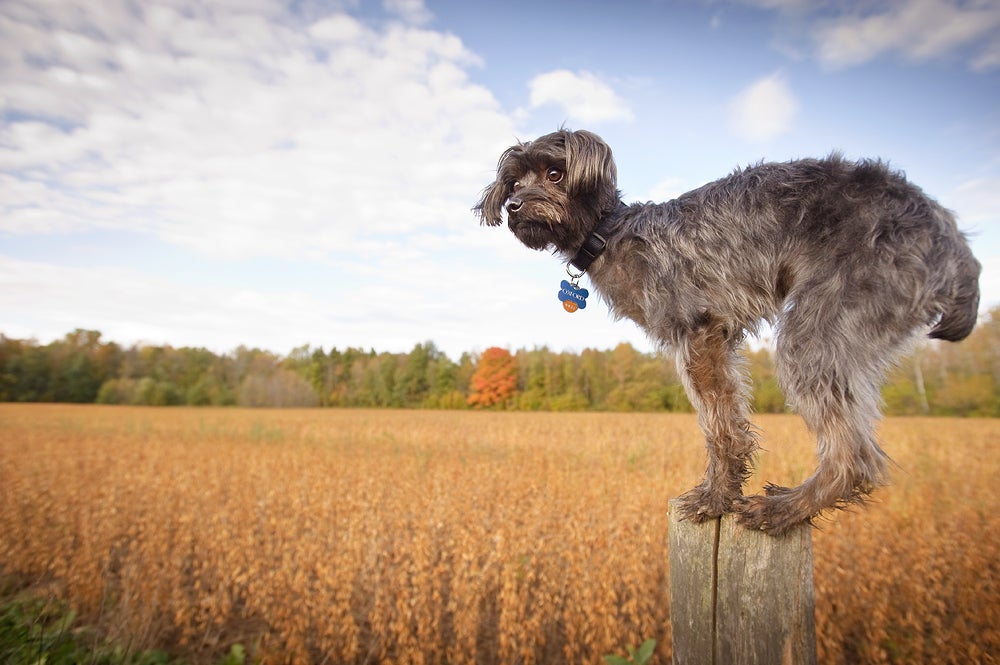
[(740, 596)]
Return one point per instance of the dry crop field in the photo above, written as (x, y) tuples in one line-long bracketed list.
[(340, 536)]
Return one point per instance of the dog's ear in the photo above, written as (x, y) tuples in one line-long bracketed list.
[(590, 167), (495, 195), (491, 203)]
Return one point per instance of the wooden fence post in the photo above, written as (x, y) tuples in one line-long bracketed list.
[(740, 597)]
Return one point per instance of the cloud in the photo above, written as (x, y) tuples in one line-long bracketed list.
[(989, 282), (785, 5), (764, 110), (583, 97), (919, 29), (367, 306), (412, 11), (321, 166), (665, 190), (977, 204), (977, 200), (988, 58), (238, 133), (49, 297)]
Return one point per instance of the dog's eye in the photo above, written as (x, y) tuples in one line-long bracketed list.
[(516, 185), (554, 175)]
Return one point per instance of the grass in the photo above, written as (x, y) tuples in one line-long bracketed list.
[(36, 631), (354, 536)]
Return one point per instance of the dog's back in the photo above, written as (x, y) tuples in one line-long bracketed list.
[(960, 305), (856, 227), (896, 218), (900, 221)]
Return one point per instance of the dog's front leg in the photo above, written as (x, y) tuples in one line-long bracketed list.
[(713, 376)]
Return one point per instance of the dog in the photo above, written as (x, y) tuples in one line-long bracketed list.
[(848, 261)]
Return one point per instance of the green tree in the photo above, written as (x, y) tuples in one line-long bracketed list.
[(31, 371), (532, 383), (117, 391), (414, 383), (76, 374), (767, 395)]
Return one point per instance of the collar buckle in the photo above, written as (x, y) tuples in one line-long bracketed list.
[(592, 247)]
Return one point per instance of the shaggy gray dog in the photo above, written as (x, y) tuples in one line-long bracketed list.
[(847, 260)]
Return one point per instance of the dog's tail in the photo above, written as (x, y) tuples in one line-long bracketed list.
[(958, 317)]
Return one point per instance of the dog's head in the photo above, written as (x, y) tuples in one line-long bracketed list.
[(554, 190)]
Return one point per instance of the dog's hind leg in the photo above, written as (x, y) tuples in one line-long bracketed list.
[(712, 371), (830, 364)]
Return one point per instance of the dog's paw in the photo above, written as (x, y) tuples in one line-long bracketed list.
[(702, 503), (776, 490), (769, 513)]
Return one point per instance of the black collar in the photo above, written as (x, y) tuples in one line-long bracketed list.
[(593, 246)]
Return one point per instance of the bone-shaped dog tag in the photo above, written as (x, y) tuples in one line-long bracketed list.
[(572, 296)]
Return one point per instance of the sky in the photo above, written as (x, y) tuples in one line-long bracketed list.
[(274, 174)]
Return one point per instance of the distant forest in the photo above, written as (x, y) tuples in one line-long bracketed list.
[(936, 378)]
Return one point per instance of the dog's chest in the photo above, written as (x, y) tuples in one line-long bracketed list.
[(624, 288), (659, 299)]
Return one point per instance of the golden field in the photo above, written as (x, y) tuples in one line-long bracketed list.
[(349, 536)]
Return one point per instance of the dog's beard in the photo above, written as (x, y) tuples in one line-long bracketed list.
[(540, 224), (535, 225), (534, 235)]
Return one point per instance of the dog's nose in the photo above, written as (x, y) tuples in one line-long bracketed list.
[(514, 204)]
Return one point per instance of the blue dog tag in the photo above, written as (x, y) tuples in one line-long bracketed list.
[(572, 296)]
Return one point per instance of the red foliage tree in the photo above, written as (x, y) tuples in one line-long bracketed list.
[(495, 379)]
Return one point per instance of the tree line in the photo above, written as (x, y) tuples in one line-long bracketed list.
[(936, 378)]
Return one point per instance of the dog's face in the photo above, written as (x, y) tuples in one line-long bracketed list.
[(553, 190)]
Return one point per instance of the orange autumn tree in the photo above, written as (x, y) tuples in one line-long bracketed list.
[(495, 379)]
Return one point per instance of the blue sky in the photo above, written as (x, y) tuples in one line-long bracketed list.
[(274, 174)]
